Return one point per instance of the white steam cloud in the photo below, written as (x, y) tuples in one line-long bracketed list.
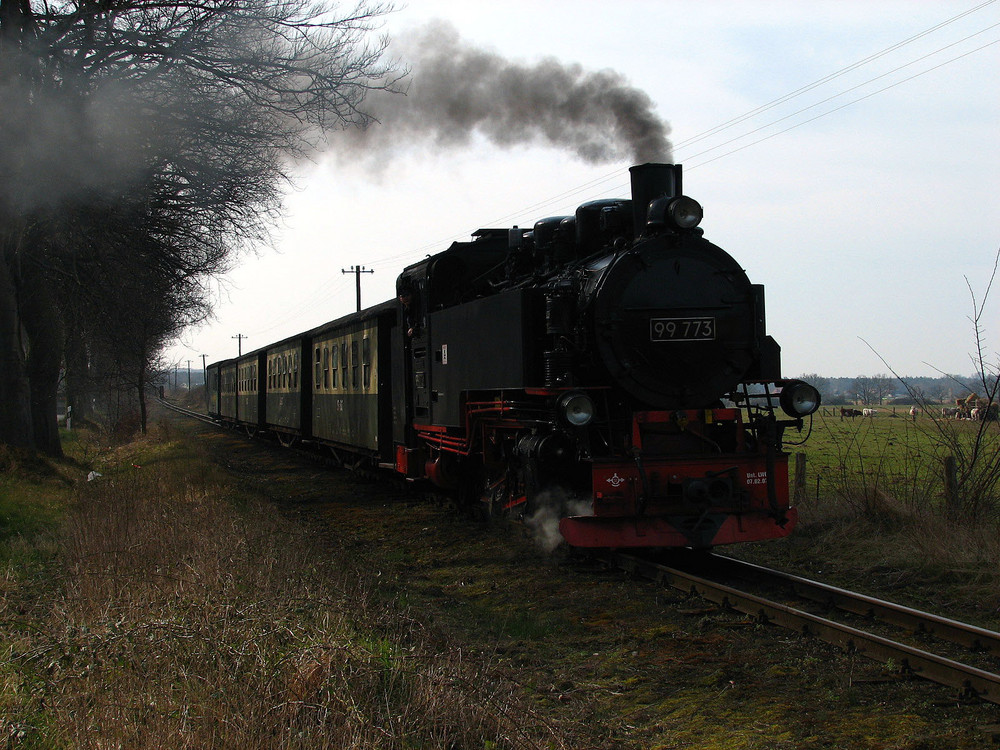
[(552, 506)]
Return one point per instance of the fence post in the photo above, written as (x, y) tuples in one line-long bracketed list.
[(951, 502), (799, 491)]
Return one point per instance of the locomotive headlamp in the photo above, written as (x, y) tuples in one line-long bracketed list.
[(798, 399), (576, 408), (673, 213), (685, 213)]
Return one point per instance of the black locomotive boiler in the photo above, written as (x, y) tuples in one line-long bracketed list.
[(611, 366)]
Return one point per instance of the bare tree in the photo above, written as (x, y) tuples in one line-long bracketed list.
[(166, 126), (972, 456), (873, 389), (820, 383)]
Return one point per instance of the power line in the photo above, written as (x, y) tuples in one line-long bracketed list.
[(434, 246), (830, 77), (835, 109)]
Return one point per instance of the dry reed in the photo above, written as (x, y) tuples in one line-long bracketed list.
[(185, 618)]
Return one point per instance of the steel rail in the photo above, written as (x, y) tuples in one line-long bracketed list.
[(187, 412), (970, 636), (970, 680)]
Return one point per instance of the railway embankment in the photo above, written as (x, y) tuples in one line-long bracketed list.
[(206, 590)]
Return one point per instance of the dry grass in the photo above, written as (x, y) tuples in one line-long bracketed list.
[(180, 617)]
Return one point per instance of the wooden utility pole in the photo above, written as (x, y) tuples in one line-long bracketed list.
[(357, 271), (239, 350)]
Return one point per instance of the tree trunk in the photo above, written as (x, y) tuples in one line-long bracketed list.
[(15, 411), (40, 314), (79, 388), (142, 395)]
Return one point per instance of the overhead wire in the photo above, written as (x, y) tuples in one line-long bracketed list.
[(827, 78), (681, 145), (391, 261), (831, 111)]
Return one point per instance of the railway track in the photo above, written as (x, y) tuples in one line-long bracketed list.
[(200, 416), (948, 634)]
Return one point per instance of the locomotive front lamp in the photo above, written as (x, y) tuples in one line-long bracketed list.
[(685, 213), (576, 408), (798, 399)]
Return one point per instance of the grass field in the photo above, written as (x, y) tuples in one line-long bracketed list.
[(874, 508), (895, 458), (166, 605)]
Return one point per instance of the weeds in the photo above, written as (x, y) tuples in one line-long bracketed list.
[(185, 616)]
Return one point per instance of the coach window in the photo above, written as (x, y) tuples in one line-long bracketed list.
[(333, 366), (317, 369), (366, 361), (354, 365), (343, 366)]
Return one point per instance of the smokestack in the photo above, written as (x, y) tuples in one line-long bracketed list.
[(649, 182)]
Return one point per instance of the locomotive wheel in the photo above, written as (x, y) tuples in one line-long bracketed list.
[(499, 498)]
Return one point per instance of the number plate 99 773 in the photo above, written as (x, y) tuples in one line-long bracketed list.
[(681, 329)]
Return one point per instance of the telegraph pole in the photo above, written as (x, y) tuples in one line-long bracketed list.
[(189, 376), (204, 370), (240, 337), (357, 271)]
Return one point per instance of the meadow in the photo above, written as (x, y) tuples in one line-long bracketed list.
[(897, 459), (879, 505)]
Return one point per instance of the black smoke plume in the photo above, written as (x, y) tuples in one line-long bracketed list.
[(455, 90)]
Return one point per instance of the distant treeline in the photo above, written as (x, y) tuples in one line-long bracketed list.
[(879, 389)]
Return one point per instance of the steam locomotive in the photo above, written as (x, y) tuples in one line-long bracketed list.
[(611, 367)]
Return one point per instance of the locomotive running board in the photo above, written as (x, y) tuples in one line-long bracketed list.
[(611, 532)]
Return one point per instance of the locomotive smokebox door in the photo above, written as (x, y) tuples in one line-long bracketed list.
[(674, 322)]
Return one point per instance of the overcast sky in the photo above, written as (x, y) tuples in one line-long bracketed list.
[(857, 177)]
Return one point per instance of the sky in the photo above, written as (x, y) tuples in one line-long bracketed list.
[(846, 154)]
